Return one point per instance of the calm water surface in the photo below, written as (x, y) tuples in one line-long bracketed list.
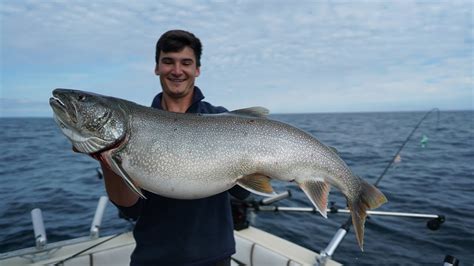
[(39, 170)]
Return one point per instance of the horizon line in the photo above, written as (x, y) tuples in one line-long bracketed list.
[(304, 113)]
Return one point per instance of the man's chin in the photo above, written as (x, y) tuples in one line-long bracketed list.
[(178, 92)]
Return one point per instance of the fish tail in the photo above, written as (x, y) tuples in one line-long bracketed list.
[(369, 197)]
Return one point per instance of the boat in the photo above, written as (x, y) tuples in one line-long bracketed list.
[(253, 247)]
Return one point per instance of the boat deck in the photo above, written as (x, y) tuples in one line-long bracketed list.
[(254, 247)]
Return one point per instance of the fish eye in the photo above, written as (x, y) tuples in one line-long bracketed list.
[(81, 98)]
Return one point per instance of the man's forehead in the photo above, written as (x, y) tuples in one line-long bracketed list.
[(185, 53)]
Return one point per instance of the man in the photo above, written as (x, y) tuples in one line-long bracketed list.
[(170, 231)]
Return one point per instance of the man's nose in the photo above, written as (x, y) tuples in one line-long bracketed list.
[(177, 69)]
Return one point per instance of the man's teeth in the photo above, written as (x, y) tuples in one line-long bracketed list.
[(177, 80)]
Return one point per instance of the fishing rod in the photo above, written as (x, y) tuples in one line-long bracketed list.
[(96, 224), (327, 252), (61, 262), (404, 143), (240, 207)]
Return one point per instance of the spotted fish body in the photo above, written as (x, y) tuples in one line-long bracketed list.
[(194, 156), (190, 156)]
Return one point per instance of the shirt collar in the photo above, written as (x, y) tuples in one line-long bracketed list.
[(197, 98)]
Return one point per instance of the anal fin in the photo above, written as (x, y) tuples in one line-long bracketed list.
[(258, 184), (317, 192)]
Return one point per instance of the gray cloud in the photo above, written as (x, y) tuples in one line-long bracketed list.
[(310, 56)]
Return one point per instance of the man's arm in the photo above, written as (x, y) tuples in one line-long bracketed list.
[(117, 190)]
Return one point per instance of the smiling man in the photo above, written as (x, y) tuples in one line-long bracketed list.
[(171, 231), (178, 71)]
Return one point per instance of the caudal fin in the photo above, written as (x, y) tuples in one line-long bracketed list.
[(369, 197)]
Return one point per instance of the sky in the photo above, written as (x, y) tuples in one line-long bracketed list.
[(287, 56)]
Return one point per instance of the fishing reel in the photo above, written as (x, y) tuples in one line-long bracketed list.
[(435, 224), (239, 214), (240, 208)]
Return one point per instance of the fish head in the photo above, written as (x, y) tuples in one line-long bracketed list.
[(92, 122)]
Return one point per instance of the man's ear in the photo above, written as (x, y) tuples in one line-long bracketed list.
[(156, 70), (198, 72)]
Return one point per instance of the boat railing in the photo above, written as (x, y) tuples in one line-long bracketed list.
[(42, 249), (264, 205)]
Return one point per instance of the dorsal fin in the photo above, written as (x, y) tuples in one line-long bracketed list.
[(256, 111)]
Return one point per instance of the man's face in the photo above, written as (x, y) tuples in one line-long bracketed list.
[(177, 71)]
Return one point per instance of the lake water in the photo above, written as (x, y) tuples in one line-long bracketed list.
[(39, 170)]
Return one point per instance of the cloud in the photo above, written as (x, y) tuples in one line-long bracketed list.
[(305, 57)]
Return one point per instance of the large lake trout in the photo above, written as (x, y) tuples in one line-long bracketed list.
[(190, 156)]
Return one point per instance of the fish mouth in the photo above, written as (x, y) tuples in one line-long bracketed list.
[(64, 110)]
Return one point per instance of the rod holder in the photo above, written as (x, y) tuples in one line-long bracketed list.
[(38, 227), (336, 240), (450, 261), (99, 213), (275, 198)]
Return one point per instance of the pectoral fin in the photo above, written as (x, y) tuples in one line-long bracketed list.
[(258, 184), (317, 192), (116, 165)]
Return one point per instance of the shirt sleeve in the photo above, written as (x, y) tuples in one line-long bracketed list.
[(239, 192), (132, 212)]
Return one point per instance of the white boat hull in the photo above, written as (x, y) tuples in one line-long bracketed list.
[(254, 247)]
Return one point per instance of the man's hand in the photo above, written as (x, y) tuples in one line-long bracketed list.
[(117, 190)]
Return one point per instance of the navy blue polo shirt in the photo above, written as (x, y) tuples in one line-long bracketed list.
[(183, 232)]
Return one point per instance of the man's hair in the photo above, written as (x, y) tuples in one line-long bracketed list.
[(177, 40)]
